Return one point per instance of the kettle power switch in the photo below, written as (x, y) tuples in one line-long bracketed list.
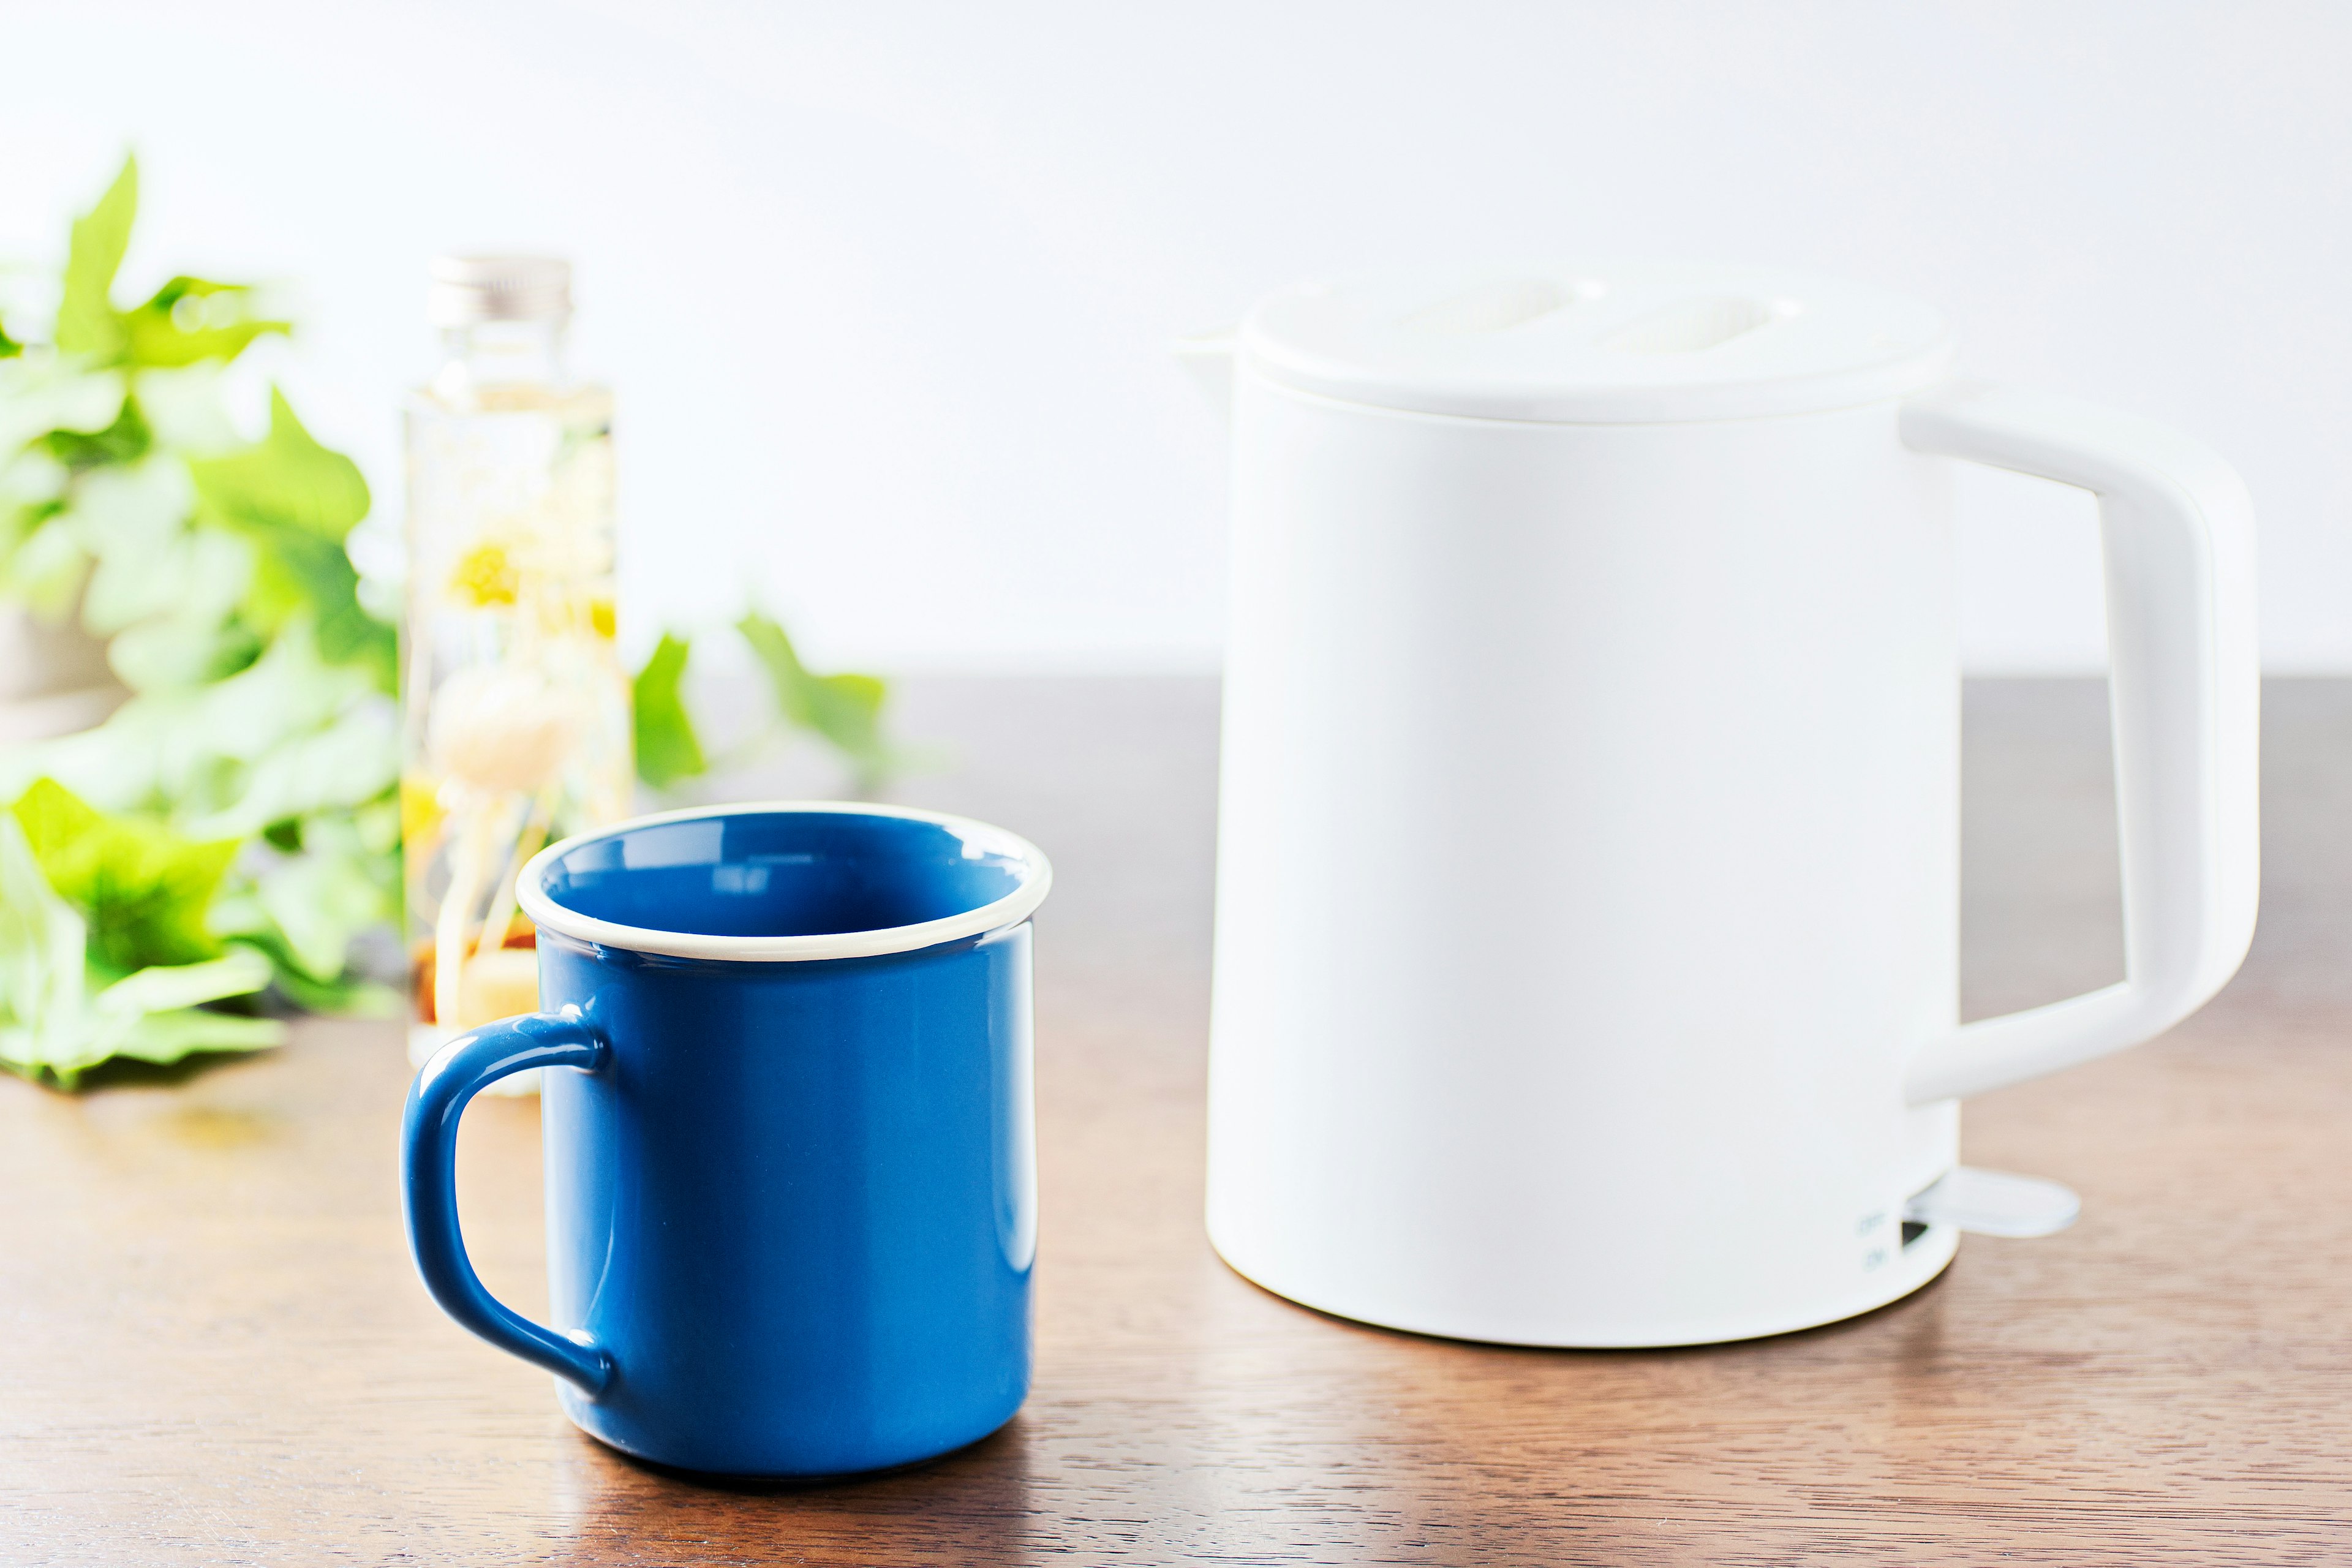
[(1995, 1202)]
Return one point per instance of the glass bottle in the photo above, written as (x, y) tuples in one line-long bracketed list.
[(516, 709)]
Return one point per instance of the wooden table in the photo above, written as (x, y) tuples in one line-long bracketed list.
[(213, 1349)]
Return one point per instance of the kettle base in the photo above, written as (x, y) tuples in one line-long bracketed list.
[(1918, 1263)]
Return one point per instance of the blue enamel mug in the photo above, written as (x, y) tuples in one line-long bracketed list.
[(792, 1199)]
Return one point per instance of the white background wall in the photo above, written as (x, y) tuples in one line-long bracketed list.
[(885, 288)]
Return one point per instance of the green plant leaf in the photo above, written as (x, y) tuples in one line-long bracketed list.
[(239, 971), (46, 568), (288, 735), (668, 748), (51, 392), (59, 1017), (347, 997), (163, 1037), (285, 477), (297, 500), (9, 347), (125, 441), (142, 887), (335, 768), (155, 1015), (297, 571), (192, 319), (42, 994), (319, 902), (134, 520), (86, 320), (18, 524), (847, 709)]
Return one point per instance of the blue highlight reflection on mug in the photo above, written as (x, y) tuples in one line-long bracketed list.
[(791, 1170)]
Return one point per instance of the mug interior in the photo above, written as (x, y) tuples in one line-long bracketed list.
[(781, 874)]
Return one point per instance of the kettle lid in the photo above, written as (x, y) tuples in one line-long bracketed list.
[(1625, 343)]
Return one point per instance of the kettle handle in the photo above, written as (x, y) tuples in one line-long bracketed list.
[(2177, 529)]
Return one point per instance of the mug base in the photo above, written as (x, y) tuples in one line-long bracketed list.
[(1916, 1266), (779, 1478)]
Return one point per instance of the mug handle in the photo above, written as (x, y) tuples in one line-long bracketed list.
[(428, 1180), (2177, 529)]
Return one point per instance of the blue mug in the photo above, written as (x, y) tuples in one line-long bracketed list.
[(790, 1176)]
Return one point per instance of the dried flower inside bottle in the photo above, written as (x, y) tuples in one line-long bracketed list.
[(517, 718)]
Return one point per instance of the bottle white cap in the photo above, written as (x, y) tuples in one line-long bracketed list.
[(467, 290)]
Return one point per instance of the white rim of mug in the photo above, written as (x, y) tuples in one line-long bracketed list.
[(1037, 880)]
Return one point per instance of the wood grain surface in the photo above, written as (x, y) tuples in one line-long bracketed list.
[(213, 1349)]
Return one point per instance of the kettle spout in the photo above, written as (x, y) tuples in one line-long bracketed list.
[(1210, 357)]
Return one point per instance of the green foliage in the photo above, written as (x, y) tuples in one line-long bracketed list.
[(287, 478), (42, 977), (290, 736), (142, 888), (61, 1016), (188, 320), (667, 747), (304, 908), (191, 319), (232, 827), (124, 441), (297, 501), (843, 710), (87, 322), (847, 709)]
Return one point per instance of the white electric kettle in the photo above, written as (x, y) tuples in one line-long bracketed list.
[(1587, 938)]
